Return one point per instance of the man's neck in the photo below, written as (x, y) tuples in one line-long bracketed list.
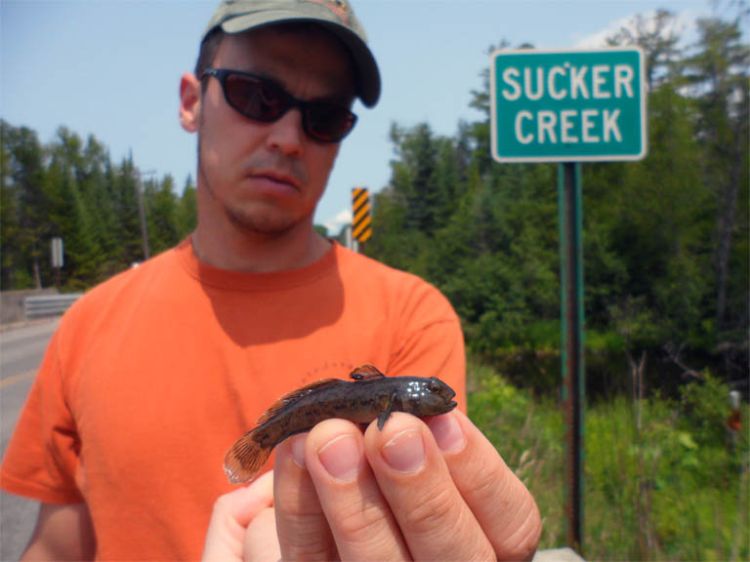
[(238, 250)]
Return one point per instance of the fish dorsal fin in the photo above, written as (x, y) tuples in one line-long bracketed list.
[(293, 396), (366, 373)]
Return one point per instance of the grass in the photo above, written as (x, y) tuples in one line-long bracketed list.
[(673, 488)]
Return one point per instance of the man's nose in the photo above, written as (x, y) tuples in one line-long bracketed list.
[(287, 134)]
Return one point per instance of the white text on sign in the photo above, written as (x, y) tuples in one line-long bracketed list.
[(563, 82), (568, 105)]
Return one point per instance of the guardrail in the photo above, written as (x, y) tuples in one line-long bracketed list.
[(48, 305)]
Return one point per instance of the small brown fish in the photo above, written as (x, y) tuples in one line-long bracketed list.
[(371, 395)]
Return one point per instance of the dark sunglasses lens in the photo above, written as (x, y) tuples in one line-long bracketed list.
[(255, 98), (264, 101), (327, 122)]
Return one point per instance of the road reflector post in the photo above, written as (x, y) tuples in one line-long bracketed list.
[(569, 107), (361, 216)]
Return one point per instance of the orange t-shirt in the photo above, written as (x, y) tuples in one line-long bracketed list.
[(152, 375)]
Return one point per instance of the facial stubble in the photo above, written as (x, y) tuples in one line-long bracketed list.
[(249, 221)]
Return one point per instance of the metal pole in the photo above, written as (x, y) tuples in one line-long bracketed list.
[(573, 387)]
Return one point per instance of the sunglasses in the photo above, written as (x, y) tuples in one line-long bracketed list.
[(263, 100)]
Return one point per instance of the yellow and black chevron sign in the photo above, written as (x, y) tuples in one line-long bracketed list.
[(362, 221)]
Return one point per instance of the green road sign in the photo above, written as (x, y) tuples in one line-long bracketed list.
[(558, 106)]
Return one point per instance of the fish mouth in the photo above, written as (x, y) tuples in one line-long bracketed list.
[(451, 403)]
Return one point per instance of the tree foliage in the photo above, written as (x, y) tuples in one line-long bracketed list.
[(71, 189), (665, 239)]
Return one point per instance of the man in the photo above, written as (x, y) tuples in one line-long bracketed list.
[(152, 375)]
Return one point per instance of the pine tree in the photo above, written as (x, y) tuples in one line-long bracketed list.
[(23, 181), (719, 72), (162, 214)]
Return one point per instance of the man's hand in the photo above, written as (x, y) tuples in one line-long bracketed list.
[(434, 490), (228, 531), (429, 491)]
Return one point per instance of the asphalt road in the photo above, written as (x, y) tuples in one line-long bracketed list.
[(21, 352)]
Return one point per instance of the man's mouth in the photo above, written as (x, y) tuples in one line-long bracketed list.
[(276, 177)]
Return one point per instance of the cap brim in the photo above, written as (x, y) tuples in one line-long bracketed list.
[(368, 75)]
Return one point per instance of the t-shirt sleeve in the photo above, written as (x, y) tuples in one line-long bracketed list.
[(43, 455), (431, 341)]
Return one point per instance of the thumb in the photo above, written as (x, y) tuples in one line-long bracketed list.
[(232, 514)]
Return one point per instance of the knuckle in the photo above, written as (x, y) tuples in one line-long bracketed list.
[(358, 521), (304, 537), (524, 550), (487, 483), (434, 511), (364, 529), (527, 549), (527, 538)]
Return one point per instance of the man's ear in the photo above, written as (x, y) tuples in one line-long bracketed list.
[(190, 102)]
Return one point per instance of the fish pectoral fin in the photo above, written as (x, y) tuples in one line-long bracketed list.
[(386, 413), (366, 373)]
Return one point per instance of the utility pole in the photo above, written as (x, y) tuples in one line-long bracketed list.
[(142, 211)]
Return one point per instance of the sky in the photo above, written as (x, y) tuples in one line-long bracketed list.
[(111, 68)]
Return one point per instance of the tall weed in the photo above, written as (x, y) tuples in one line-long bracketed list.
[(673, 488)]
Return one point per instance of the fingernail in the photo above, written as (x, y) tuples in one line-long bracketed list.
[(447, 433), (298, 449), (341, 457), (405, 451)]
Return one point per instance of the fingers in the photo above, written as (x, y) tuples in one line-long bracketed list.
[(498, 499), (436, 522), (261, 544), (437, 490), (359, 516), (301, 525), (231, 515)]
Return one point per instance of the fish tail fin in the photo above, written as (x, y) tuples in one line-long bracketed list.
[(245, 458)]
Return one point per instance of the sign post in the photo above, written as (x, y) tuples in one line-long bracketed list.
[(571, 345), (57, 258), (569, 107)]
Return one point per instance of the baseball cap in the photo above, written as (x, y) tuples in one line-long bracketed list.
[(337, 16)]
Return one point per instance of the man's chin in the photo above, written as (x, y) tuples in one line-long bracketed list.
[(268, 223)]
